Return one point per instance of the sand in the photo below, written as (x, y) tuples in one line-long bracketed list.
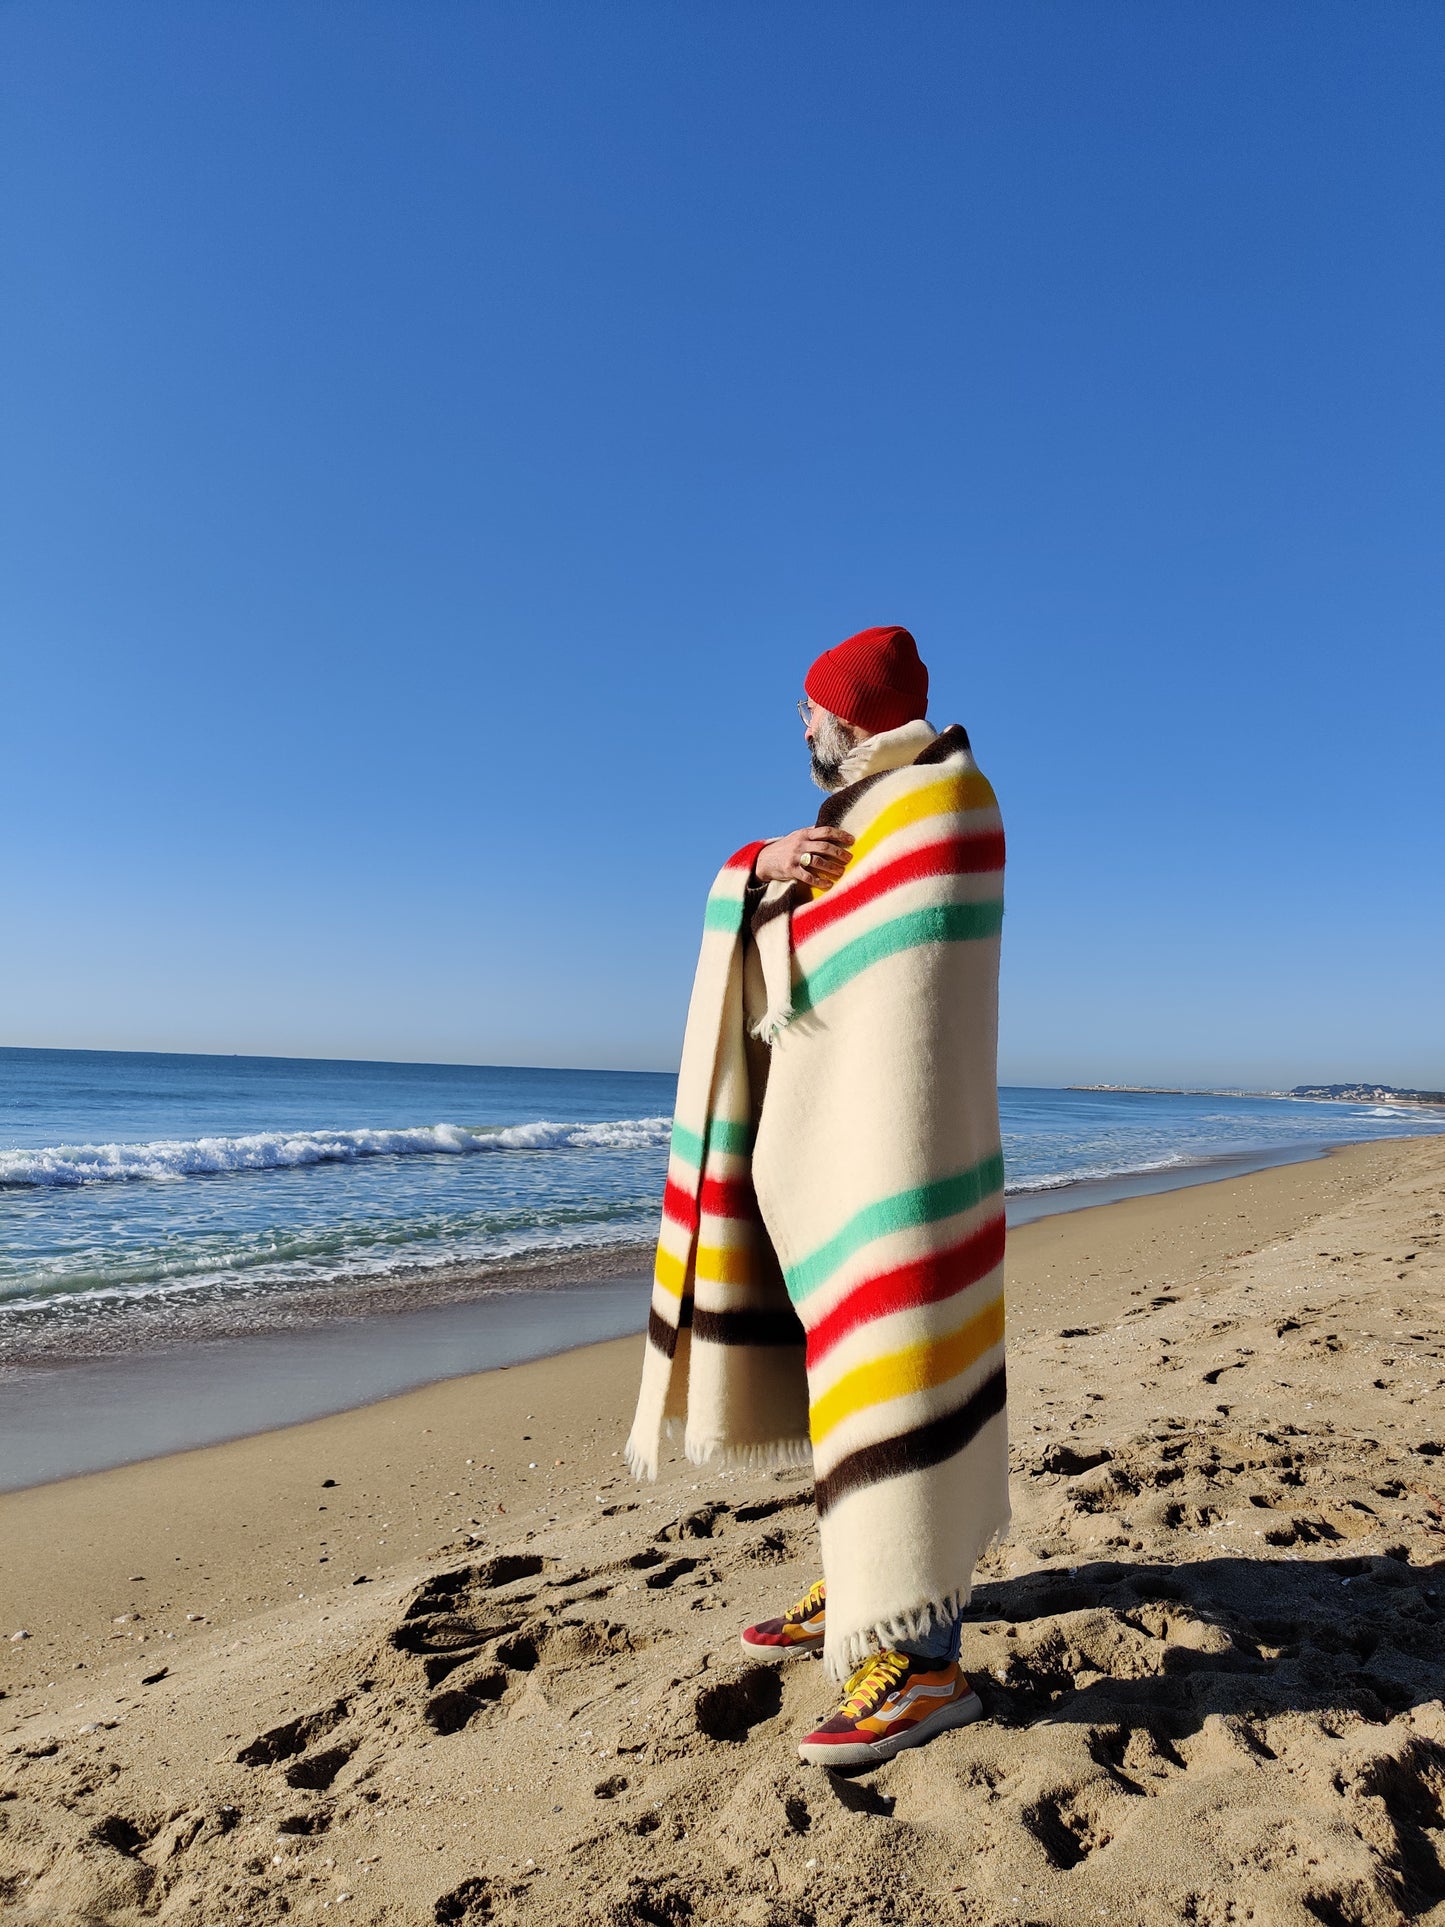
[(483, 1678)]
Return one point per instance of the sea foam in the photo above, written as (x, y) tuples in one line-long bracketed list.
[(1083, 1173), (175, 1158)]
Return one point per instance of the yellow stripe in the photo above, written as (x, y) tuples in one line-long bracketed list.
[(725, 1264), (918, 1368), (715, 1265), (970, 790), (669, 1272)]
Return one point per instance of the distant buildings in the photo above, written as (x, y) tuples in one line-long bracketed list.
[(1368, 1093), (1343, 1093)]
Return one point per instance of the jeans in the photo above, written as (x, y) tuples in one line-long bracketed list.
[(940, 1643)]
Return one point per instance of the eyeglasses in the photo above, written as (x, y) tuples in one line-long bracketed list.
[(805, 712)]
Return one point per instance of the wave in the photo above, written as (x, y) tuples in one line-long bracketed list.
[(80, 1298), (176, 1158), (1087, 1173)]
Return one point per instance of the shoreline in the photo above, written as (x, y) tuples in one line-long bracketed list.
[(67, 1418), (92, 1416), (301, 1308), (1027, 1206), (149, 1326), (439, 1658)]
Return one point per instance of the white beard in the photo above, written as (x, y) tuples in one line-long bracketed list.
[(833, 742)]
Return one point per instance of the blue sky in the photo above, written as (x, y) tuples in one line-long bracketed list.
[(440, 436)]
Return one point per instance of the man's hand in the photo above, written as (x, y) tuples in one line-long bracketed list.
[(814, 855)]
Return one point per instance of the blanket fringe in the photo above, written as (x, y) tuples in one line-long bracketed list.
[(775, 1456), (885, 1634), (771, 1025), (641, 1463), (846, 1655)]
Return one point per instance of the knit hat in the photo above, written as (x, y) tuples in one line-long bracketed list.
[(875, 680)]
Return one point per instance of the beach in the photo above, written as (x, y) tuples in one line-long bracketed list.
[(153, 1201), (439, 1659)]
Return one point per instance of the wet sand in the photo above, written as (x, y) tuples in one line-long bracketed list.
[(63, 1420), (145, 1381), (482, 1677)]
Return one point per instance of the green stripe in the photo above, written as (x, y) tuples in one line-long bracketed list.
[(942, 923), (924, 1204), (721, 1136), (723, 913), (736, 1139)]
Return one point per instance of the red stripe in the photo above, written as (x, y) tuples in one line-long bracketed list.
[(925, 1281), (953, 856), (721, 1198), (744, 858), (679, 1205), (728, 1198)]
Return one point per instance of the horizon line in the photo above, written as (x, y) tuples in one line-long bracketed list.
[(598, 1070)]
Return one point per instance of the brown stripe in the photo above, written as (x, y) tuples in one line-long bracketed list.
[(835, 807), (913, 1451), (663, 1335), (779, 907), (749, 1327), (944, 744)]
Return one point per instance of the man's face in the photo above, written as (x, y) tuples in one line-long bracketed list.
[(829, 740)]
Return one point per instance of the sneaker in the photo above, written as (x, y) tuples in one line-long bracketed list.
[(892, 1701), (800, 1630)]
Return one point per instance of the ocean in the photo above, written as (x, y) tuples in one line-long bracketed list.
[(148, 1198)]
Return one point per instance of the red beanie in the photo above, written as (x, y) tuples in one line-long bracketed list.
[(875, 680)]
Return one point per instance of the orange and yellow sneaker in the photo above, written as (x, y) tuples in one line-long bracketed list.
[(892, 1701), (800, 1630)]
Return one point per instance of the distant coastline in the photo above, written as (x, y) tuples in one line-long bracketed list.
[(1304, 1093)]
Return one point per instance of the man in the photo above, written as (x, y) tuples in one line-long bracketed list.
[(829, 1279)]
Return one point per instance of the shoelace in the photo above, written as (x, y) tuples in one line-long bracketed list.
[(810, 1602), (874, 1679)]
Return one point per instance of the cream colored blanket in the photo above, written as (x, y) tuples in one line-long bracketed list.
[(829, 1277)]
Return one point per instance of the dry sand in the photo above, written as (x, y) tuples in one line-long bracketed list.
[(494, 1682)]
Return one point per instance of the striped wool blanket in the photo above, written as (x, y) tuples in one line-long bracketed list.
[(829, 1276)]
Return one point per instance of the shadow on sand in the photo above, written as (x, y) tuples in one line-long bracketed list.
[(1250, 1638)]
